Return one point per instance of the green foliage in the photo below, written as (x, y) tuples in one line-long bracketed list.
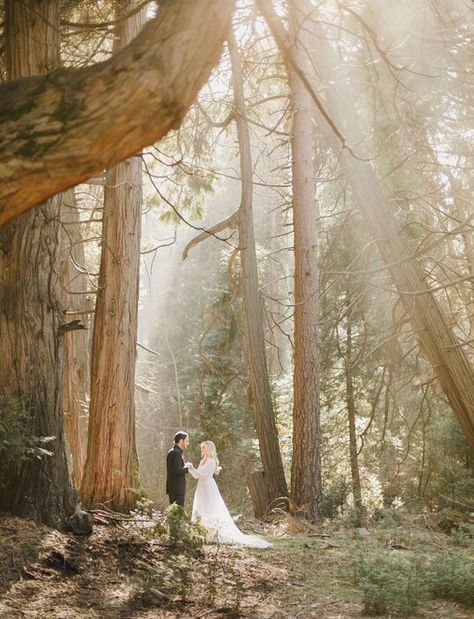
[(391, 584), (353, 517), (224, 414), (399, 584), (334, 497), (185, 180), (453, 578), (462, 538), (451, 483), (17, 441), (181, 530), (387, 517)]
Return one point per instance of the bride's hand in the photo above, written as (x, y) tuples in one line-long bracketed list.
[(189, 465)]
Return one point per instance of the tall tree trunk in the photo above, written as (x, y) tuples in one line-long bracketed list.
[(30, 302), (351, 418), (262, 406), (76, 343), (437, 340), (306, 463), (112, 465)]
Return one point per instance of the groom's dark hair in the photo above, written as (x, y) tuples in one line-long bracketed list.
[(178, 436)]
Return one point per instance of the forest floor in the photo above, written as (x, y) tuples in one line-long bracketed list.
[(119, 573)]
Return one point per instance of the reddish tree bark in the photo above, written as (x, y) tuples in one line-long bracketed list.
[(60, 129), (306, 491), (75, 391), (111, 470), (31, 317)]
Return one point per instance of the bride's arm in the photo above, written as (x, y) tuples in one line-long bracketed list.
[(204, 470)]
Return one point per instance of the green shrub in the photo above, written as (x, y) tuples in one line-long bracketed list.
[(391, 584), (17, 441), (463, 537), (334, 498), (182, 530), (452, 578), (387, 517), (398, 584)]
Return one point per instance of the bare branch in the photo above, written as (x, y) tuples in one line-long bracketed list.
[(230, 222)]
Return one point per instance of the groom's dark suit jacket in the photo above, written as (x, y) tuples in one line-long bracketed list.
[(175, 472)]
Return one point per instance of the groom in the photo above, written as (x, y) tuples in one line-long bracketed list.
[(176, 470)]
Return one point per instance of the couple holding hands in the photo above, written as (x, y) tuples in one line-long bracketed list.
[(209, 508)]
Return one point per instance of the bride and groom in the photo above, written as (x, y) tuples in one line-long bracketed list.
[(209, 508)]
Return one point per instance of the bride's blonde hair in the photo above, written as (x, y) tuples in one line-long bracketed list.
[(212, 451)]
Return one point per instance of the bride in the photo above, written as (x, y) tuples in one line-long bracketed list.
[(209, 508)]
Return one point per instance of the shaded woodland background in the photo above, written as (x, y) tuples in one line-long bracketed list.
[(289, 273)]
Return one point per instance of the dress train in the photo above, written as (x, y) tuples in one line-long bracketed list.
[(211, 512)]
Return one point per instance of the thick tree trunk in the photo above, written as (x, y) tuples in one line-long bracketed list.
[(76, 342), (306, 463), (31, 304), (468, 241), (111, 468), (258, 489), (262, 406), (59, 130), (437, 340)]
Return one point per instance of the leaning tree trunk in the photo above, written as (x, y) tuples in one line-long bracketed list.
[(31, 305), (435, 335), (112, 465), (262, 406), (306, 463), (467, 259), (75, 392)]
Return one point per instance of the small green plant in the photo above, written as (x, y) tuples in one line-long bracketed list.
[(452, 578), (398, 584), (182, 530), (212, 571), (182, 571), (460, 537), (391, 584), (353, 517), (18, 443), (387, 517)]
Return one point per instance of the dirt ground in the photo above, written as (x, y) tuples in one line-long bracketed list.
[(117, 573)]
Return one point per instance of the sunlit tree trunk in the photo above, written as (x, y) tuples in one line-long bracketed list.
[(31, 359), (275, 354), (111, 469), (435, 335), (306, 463), (351, 418), (262, 407), (75, 283)]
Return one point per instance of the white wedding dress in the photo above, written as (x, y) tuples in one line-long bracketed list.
[(211, 512)]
